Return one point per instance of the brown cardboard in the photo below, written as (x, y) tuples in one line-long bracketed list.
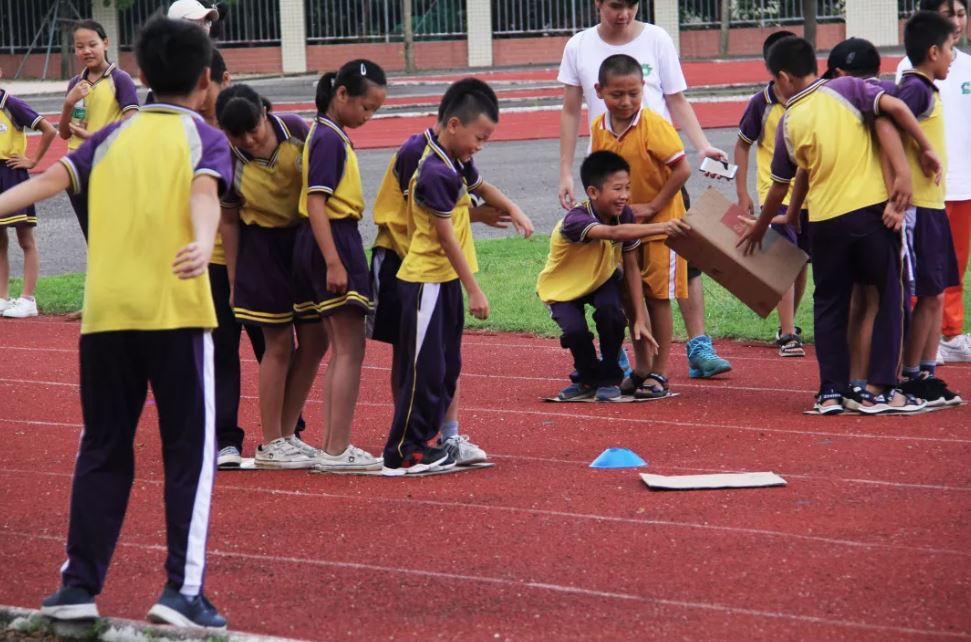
[(758, 280)]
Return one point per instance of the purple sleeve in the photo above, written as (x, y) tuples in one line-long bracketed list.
[(72, 83), (627, 217), (407, 159), (783, 169), (750, 127), (22, 114), (858, 93), (125, 92), (80, 162), (577, 223), (298, 127), (437, 188), (917, 95), (327, 158), (471, 175), (216, 160)]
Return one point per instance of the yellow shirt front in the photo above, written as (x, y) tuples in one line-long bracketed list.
[(111, 96), (437, 189), (758, 127), (650, 145), (921, 95), (826, 131), (330, 168), (137, 178), (391, 203), (577, 265), (16, 117)]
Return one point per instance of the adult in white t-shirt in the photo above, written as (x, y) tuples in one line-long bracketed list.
[(619, 32), (956, 97)]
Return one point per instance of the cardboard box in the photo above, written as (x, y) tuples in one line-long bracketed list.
[(758, 280)]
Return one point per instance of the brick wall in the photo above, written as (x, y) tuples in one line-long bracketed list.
[(748, 42), (528, 51), (444, 54)]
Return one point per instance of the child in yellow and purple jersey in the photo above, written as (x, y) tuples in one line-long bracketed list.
[(929, 43), (16, 117), (659, 169), (757, 127), (147, 316), (259, 226), (825, 140), (100, 95), (391, 246), (330, 268)]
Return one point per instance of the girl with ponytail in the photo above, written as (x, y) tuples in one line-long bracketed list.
[(330, 267)]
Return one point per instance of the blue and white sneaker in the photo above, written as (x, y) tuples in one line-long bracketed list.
[(179, 610), (576, 391), (703, 362), (608, 393), (70, 603)]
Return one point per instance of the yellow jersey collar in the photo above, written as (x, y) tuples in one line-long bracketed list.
[(282, 133), (3, 98), (805, 92), (609, 126), (440, 152), (167, 108), (323, 120)]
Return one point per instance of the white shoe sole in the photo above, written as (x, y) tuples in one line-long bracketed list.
[(828, 410), (417, 468), (338, 468), (282, 465), (161, 614), (229, 462), (71, 612)]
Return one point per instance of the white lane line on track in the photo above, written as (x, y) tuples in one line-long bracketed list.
[(609, 519), (630, 420), (540, 586)]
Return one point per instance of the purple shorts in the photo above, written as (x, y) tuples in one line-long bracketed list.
[(310, 271), (263, 291), (801, 238), (932, 262), (26, 217)]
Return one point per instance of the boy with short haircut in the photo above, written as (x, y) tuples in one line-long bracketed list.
[(583, 268), (825, 137), (659, 169), (929, 44), (757, 127), (440, 261), (147, 318)]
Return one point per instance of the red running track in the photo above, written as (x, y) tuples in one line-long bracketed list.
[(868, 542)]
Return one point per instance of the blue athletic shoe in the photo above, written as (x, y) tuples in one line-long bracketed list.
[(179, 610), (703, 362), (70, 603), (608, 393), (576, 391)]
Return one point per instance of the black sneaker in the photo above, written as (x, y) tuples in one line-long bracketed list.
[(942, 395), (70, 603), (179, 610), (420, 461), (923, 388)]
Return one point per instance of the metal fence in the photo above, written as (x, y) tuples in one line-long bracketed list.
[(907, 7), (705, 14), (381, 20), (33, 22), (250, 22), (543, 17)]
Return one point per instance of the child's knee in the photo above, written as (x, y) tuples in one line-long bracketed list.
[(575, 336), (26, 239), (611, 317)]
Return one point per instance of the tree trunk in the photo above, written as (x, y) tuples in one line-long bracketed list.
[(409, 35), (809, 8), (726, 24)]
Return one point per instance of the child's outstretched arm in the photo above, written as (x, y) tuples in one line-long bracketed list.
[(47, 135), (494, 196), (478, 303), (192, 260), (905, 119), (742, 149), (681, 172), (635, 288), (634, 231), (320, 224), (53, 181)]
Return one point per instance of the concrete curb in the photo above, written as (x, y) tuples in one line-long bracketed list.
[(28, 624)]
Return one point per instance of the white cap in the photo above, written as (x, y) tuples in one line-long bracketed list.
[(191, 10)]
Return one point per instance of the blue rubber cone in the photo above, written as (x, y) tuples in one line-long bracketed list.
[(618, 458)]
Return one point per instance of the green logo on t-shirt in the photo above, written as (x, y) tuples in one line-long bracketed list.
[(966, 88), (647, 69)]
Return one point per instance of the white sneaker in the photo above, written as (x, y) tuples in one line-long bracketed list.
[(955, 350), (21, 309), (353, 458), (302, 446), (463, 451), (229, 458), (5, 304), (280, 453)]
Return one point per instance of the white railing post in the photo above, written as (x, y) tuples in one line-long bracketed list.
[(875, 20), (293, 36), (479, 28), (106, 13), (666, 16)]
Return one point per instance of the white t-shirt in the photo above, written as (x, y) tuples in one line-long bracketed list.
[(653, 48), (956, 96)]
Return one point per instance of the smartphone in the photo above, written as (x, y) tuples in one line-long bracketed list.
[(719, 168)]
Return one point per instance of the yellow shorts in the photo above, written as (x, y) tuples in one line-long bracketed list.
[(664, 273)]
